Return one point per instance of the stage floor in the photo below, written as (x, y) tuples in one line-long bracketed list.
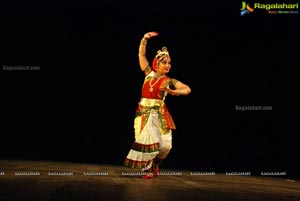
[(56, 180)]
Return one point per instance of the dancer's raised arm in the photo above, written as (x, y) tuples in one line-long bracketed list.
[(142, 49)]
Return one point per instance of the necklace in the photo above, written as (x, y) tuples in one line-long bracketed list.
[(152, 85)]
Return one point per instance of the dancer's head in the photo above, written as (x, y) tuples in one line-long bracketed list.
[(162, 61)]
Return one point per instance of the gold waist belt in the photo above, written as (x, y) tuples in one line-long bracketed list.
[(148, 102)]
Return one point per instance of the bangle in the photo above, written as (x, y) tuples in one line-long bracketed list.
[(143, 41), (178, 92)]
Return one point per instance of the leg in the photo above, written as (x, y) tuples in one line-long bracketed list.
[(164, 150)]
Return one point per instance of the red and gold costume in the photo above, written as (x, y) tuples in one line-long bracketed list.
[(153, 123)]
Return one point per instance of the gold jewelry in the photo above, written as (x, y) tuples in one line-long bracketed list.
[(152, 85), (162, 52), (143, 42)]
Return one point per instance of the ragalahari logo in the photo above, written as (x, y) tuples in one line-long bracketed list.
[(246, 9)]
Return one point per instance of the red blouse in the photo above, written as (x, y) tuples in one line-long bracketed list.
[(159, 91)]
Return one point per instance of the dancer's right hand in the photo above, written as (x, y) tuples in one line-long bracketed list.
[(150, 34)]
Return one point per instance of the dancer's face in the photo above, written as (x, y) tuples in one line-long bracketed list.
[(164, 66)]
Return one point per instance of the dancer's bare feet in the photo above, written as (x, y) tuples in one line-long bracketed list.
[(149, 175)]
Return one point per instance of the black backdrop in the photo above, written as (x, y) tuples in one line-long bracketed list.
[(79, 106)]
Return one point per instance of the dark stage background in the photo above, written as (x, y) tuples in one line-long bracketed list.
[(79, 106)]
